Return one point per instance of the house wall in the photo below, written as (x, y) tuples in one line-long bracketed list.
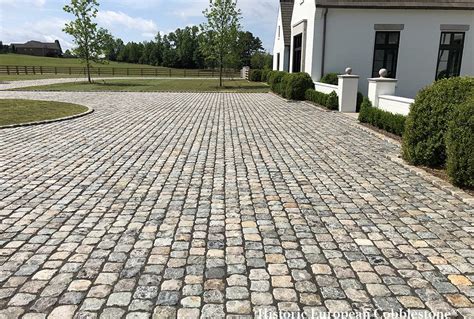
[(350, 41), (304, 12), (279, 45)]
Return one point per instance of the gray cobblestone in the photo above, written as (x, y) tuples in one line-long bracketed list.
[(206, 205)]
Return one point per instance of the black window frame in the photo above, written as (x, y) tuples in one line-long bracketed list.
[(387, 48), (297, 53), (278, 61), (451, 48)]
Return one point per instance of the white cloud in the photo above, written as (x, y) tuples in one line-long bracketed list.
[(117, 19), (47, 30), (22, 3)]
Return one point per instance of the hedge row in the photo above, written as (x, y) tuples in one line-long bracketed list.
[(437, 129), (393, 123), (292, 86), (330, 101)]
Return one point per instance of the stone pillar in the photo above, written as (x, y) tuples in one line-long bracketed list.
[(348, 85), (381, 86)]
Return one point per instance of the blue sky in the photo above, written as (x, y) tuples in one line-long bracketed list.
[(131, 20)]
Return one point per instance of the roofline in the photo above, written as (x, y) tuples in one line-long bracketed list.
[(405, 7)]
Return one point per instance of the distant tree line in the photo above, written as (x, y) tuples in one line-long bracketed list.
[(183, 48), (5, 48)]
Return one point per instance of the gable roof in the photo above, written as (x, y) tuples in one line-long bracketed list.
[(286, 15), (407, 4), (38, 45)]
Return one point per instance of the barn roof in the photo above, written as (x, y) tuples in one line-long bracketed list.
[(38, 45)]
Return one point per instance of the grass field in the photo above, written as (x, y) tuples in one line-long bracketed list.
[(152, 85), (27, 60), (26, 111)]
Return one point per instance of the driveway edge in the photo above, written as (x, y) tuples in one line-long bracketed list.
[(89, 111), (434, 180)]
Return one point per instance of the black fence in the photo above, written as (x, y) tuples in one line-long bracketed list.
[(113, 71)]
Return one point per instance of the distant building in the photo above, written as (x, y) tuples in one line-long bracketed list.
[(38, 48)]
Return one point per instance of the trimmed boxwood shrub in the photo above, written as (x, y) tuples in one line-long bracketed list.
[(460, 145), (330, 78), (393, 123), (427, 123), (255, 75), (264, 77), (332, 101), (269, 75), (295, 85), (316, 97), (275, 78)]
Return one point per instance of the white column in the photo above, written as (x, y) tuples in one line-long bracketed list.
[(381, 86), (348, 86)]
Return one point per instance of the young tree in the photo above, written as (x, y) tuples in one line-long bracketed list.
[(89, 39), (221, 31)]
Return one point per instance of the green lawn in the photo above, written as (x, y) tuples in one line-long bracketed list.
[(25, 111), (27, 60), (152, 85)]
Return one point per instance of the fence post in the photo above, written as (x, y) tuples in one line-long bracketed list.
[(17, 71), (8, 70), (34, 70), (347, 91), (156, 72), (26, 70), (41, 70), (113, 71), (98, 70), (70, 71), (381, 86)]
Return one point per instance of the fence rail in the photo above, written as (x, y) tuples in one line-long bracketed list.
[(113, 71)]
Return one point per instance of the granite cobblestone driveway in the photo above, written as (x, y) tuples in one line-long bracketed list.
[(211, 205)]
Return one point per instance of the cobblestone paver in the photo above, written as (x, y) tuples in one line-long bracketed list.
[(214, 205)]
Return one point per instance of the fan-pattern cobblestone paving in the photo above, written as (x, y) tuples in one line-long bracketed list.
[(212, 205)]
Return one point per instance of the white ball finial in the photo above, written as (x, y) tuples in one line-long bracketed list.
[(383, 73), (349, 71)]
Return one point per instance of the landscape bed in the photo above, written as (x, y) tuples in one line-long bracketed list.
[(155, 85)]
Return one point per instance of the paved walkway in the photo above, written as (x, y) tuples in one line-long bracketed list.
[(206, 205)]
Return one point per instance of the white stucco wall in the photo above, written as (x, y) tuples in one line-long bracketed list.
[(304, 10), (395, 104), (279, 45), (350, 41)]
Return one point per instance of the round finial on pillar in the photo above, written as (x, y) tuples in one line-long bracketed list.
[(383, 73), (348, 71)]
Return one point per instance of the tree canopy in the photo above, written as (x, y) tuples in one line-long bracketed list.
[(90, 40)]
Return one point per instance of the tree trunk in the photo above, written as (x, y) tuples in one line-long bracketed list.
[(88, 66), (221, 68)]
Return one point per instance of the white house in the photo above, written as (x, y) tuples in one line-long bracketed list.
[(282, 45), (416, 41)]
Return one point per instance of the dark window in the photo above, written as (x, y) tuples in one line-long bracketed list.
[(297, 51), (450, 54), (278, 61), (386, 53)]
